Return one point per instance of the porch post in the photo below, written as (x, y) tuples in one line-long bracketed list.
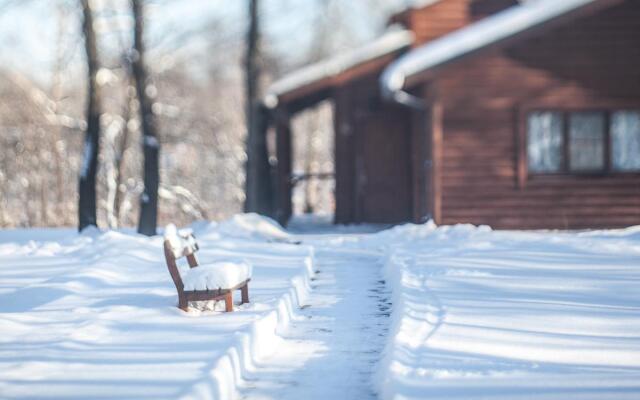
[(436, 113), (420, 165), (283, 171), (433, 123)]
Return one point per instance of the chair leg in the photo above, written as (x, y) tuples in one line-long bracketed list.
[(245, 293), (183, 304), (228, 302)]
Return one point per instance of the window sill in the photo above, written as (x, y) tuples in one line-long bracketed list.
[(583, 175)]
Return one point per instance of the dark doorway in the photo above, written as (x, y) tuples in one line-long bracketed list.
[(383, 165)]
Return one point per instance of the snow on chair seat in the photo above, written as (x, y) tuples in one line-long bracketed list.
[(221, 275), (203, 282)]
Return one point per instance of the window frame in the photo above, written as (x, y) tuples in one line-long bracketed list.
[(523, 172)]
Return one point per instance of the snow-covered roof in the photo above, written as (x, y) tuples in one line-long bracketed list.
[(392, 41), (476, 36)]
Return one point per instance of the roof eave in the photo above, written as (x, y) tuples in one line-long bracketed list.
[(402, 74), (330, 73)]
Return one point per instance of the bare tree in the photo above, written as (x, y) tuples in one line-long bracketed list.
[(200, 111), (151, 145), (258, 176), (87, 187)]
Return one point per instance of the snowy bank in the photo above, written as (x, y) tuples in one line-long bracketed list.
[(94, 315), (476, 314), (480, 314)]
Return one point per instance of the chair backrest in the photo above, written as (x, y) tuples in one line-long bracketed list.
[(176, 246)]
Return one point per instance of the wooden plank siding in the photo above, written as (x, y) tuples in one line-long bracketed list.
[(592, 63), (443, 17), (431, 22)]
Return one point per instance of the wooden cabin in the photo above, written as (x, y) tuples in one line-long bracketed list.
[(514, 114)]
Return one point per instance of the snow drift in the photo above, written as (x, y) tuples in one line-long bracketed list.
[(94, 315), (480, 314)]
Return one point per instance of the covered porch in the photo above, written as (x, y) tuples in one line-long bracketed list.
[(379, 157)]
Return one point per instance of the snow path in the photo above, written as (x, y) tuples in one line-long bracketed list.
[(331, 348), (477, 314)]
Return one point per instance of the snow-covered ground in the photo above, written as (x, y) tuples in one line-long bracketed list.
[(94, 315), (509, 315), (411, 312)]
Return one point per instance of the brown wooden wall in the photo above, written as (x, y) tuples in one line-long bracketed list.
[(590, 63), (431, 22), (445, 16)]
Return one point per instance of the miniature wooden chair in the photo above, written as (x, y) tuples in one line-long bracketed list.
[(207, 282)]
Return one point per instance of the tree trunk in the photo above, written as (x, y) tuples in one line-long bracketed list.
[(151, 146), (258, 170), (87, 186)]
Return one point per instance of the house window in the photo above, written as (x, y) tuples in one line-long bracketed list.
[(545, 142), (586, 141), (583, 142), (625, 138)]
